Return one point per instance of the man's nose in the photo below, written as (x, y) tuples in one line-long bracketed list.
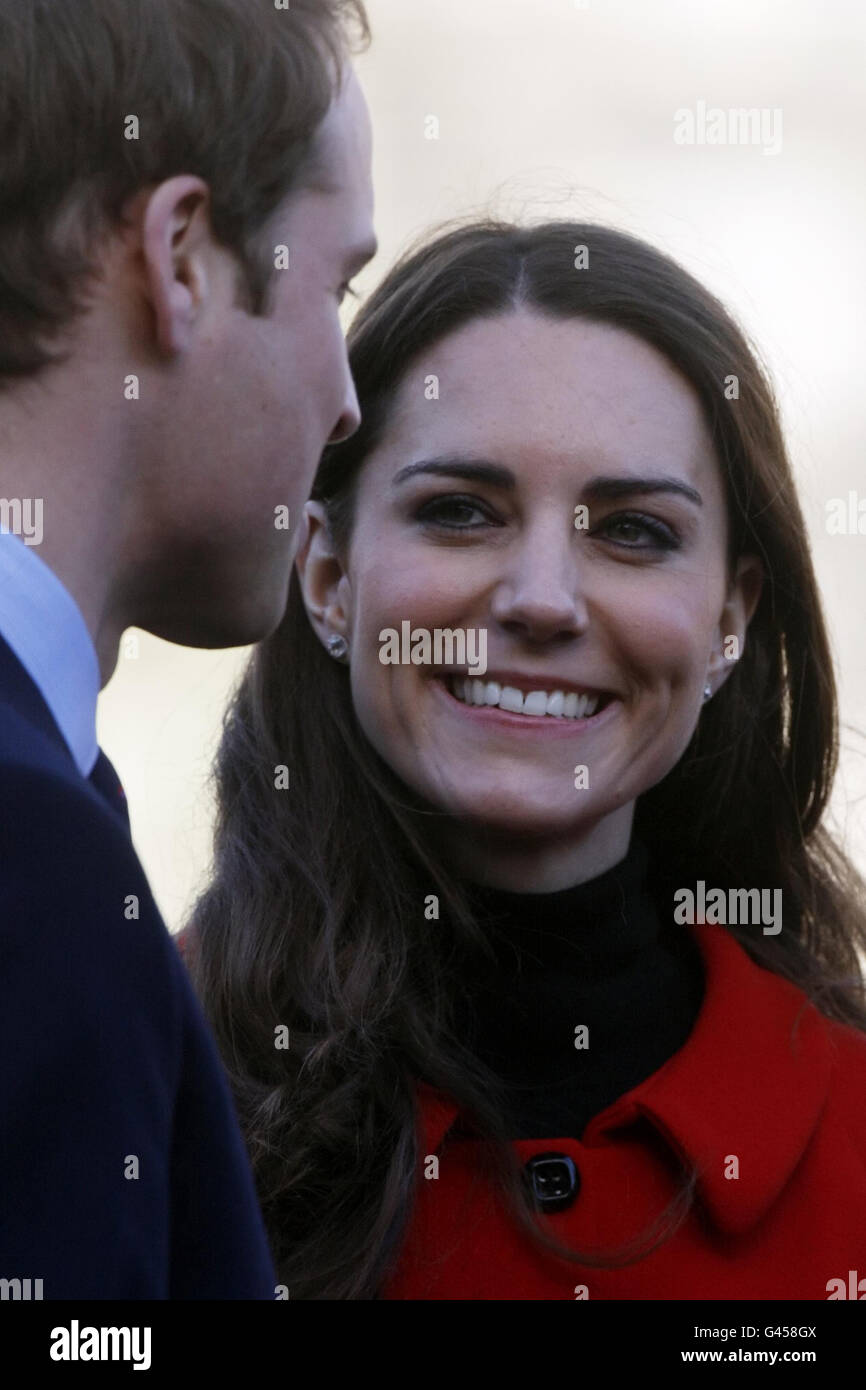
[(350, 415)]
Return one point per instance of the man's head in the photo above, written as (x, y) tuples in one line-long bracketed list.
[(184, 194)]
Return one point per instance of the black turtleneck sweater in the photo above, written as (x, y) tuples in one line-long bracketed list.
[(601, 954)]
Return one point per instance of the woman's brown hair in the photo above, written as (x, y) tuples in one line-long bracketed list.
[(314, 919)]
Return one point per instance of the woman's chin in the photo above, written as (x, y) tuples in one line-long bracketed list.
[(511, 815)]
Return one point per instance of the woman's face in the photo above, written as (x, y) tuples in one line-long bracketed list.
[(465, 519)]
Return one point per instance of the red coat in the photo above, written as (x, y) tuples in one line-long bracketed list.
[(764, 1078)]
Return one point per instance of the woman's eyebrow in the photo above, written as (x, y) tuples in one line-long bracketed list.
[(602, 488), (476, 470), (606, 488)]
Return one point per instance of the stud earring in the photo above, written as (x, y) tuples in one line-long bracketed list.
[(337, 647), (707, 693)]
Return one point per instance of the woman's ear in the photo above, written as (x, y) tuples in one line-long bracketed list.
[(740, 605), (324, 583)]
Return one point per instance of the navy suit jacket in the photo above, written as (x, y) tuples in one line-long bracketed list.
[(122, 1169)]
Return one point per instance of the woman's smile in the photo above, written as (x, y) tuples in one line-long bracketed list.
[(525, 705)]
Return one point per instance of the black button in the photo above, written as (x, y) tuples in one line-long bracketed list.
[(554, 1180)]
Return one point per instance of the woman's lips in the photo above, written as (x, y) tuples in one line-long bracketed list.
[(550, 724), (527, 697)]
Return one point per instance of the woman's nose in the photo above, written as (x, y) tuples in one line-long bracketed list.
[(541, 590)]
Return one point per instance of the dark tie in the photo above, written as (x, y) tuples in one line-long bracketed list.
[(107, 783)]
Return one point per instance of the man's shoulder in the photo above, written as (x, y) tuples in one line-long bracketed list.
[(48, 809), (73, 894), (24, 744)]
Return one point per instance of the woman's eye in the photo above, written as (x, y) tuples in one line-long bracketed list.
[(453, 513), (631, 526)]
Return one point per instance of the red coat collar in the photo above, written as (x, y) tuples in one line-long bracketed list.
[(751, 1080)]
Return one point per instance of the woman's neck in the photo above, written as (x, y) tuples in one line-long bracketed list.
[(519, 864)]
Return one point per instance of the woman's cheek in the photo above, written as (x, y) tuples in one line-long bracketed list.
[(669, 631)]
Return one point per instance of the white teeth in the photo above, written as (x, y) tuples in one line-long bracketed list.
[(511, 700), (535, 703)]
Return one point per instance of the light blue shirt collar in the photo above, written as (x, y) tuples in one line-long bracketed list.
[(43, 625)]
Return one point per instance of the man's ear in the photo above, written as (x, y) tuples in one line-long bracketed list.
[(324, 583), (743, 597), (177, 249)]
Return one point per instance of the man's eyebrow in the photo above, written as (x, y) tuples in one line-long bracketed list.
[(601, 488)]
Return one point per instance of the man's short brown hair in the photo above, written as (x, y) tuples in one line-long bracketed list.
[(229, 90)]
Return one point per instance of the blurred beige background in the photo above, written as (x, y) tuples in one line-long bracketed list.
[(567, 108)]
